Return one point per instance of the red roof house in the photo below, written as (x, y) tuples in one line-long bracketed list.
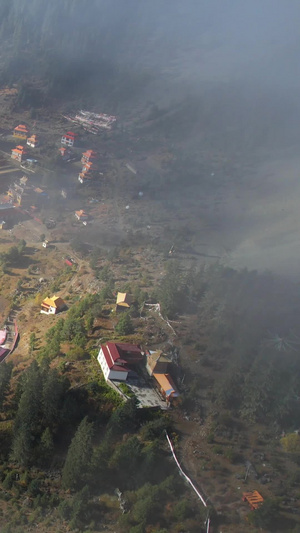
[(69, 139), (116, 359)]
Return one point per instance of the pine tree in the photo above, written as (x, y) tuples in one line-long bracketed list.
[(79, 455), (5, 375), (125, 325), (27, 422), (46, 446)]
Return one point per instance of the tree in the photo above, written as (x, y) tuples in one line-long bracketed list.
[(54, 388), (32, 343), (265, 515), (27, 422), (5, 375), (46, 446), (21, 246), (79, 455), (171, 292), (124, 418), (291, 443), (125, 325)]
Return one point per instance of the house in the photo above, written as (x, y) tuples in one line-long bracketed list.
[(88, 156), (19, 153), (157, 366), (66, 154), (123, 302), (63, 151), (32, 141), (87, 166), (2, 224), (69, 139), (45, 244), (52, 306), (81, 215), (157, 363), (166, 386), (116, 360), (21, 132)]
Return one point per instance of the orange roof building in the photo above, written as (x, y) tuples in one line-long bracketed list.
[(18, 153), (87, 156), (81, 215), (166, 385), (21, 131), (253, 498)]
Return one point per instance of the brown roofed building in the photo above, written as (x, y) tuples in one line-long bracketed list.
[(157, 363)]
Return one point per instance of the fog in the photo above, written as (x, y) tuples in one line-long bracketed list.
[(230, 66)]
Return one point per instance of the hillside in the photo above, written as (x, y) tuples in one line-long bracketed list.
[(184, 200)]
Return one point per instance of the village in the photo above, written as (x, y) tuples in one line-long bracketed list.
[(73, 197), (147, 374)]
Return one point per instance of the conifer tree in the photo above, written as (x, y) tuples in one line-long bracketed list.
[(79, 455)]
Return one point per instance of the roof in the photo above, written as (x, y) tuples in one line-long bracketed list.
[(22, 128), (19, 149), (254, 498), (89, 153), (124, 299), (55, 301), (81, 213), (33, 138), (166, 383), (118, 355), (156, 357), (71, 135)]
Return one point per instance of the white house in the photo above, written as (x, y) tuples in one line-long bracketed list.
[(116, 359)]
